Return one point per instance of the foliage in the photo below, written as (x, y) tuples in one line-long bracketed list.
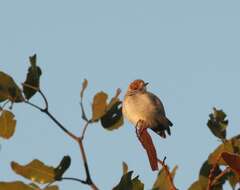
[(221, 166)]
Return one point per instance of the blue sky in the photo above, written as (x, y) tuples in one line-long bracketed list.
[(187, 50)]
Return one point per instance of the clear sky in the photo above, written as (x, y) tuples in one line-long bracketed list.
[(187, 50)]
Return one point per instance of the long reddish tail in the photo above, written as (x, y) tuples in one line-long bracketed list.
[(148, 145)]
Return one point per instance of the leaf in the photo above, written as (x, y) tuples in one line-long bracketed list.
[(204, 175), (233, 161), (17, 185), (7, 124), (62, 167), (125, 168), (127, 183), (99, 105), (84, 86), (225, 147), (9, 89), (218, 123), (233, 180), (162, 182), (53, 187), (35, 171), (32, 81), (195, 186), (113, 118)]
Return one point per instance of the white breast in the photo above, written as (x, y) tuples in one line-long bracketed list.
[(139, 106)]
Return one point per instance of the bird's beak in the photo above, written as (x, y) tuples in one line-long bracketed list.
[(146, 83)]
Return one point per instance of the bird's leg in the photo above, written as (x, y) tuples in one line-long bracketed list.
[(140, 127)]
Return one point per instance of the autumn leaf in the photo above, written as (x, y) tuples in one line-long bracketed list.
[(32, 81), (225, 147), (35, 171), (162, 183), (232, 160), (125, 168), (195, 186), (218, 123), (99, 105), (7, 124), (9, 89), (127, 183), (18, 185)]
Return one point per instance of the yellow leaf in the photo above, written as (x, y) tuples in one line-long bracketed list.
[(7, 124), (225, 147), (84, 86), (195, 186), (17, 185), (125, 168), (203, 181), (162, 181), (54, 187), (9, 89), (99, 105), (35, 171)]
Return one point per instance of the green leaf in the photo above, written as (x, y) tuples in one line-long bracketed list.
[(127, 183), (62, 167), (99, 105), (7, 124), (162, 182), (32, 81), (218, 123), (113, 118), (35, 171), (9, 89)]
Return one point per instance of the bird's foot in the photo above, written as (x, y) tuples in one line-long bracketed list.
[(140, 127)]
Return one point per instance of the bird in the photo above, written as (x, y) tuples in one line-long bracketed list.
[(140, 105)]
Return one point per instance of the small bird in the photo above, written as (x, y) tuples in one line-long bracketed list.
[(139, 105)]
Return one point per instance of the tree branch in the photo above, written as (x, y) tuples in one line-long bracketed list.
[(45, 110)]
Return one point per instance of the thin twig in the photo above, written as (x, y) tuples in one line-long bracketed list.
[(44, 98), (73, 179), (84, 116), (84, 130), (88, 180), (217, 178), (169, 175), (211, 174)]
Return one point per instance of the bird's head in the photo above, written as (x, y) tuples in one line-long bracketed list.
[(137, 86)]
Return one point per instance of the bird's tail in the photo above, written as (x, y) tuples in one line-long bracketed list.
[(148, 145)]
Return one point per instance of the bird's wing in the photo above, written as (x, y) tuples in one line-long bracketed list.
[(158, 103)]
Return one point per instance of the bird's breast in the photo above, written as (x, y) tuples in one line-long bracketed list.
[(138, 107)]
